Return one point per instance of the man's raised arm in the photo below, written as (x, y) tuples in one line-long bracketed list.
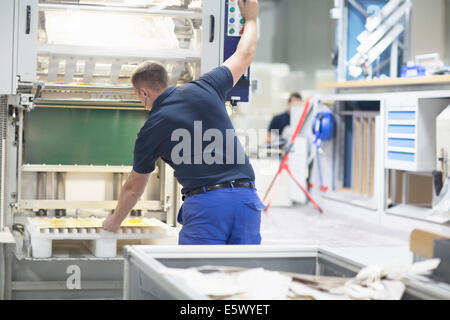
[(239, 62)]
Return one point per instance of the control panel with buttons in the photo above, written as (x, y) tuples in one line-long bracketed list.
[(235, 20), (234, 29)]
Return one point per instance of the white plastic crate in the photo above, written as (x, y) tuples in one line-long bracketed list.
[(103, 244)]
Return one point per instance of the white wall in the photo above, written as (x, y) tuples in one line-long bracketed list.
[(429, 27), (447, 27), (297, 32), (267, 31)]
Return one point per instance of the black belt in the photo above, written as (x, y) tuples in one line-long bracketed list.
[(231, 184)]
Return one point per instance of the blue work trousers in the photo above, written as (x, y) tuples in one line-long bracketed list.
[(220, 217)]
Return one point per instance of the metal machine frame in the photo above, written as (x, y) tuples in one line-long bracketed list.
[(20, 93)]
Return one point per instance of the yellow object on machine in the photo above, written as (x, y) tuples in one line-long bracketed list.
[(44, 223)]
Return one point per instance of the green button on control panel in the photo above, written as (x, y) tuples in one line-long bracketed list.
[(235, 20)]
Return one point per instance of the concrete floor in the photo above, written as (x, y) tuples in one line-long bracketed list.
[(354, 238)]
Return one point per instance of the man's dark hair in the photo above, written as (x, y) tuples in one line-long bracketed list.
[(295, 95), (150, 74)]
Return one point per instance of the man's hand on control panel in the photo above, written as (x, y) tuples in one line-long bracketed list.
[(249, 9), (239, 62)]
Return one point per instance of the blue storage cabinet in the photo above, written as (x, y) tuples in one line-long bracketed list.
[(410, 131)]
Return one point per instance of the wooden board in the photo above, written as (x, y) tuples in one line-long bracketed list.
[(422, 242), (356, 151), (420, 189), (386, 82), (399, 189), (365, 160), (372, 159)]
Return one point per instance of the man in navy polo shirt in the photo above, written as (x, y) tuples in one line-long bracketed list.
[(189, 128), (281, 121)]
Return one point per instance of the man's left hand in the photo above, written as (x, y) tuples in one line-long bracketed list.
[(111, 224)]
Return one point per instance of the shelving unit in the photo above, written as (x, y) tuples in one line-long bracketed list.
[(406, 140)]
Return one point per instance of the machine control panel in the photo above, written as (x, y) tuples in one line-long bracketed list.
[(234, 28), (235, 20)]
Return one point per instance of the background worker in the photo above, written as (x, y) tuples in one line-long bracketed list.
[(221, 205), (282, 121)]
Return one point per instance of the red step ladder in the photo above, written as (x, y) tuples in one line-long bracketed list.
[(285, 166)]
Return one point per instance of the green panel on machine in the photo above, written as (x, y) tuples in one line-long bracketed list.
[(56, 136)]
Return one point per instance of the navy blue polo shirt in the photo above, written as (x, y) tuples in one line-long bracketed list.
[(189, 128), (280, 122)]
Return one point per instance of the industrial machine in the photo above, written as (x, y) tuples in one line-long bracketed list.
[(372, 38), (69, 118)]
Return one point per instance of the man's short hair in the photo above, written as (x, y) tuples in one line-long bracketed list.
[(150, 74), (295, 95)]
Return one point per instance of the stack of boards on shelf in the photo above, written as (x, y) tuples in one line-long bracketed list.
[(103, 244), (364, 135)]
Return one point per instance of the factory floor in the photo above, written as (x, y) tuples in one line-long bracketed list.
[(356, 239)]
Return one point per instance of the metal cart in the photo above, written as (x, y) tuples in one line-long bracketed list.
[(143, 266)]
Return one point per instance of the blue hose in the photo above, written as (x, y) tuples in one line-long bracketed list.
[(324, 130)]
